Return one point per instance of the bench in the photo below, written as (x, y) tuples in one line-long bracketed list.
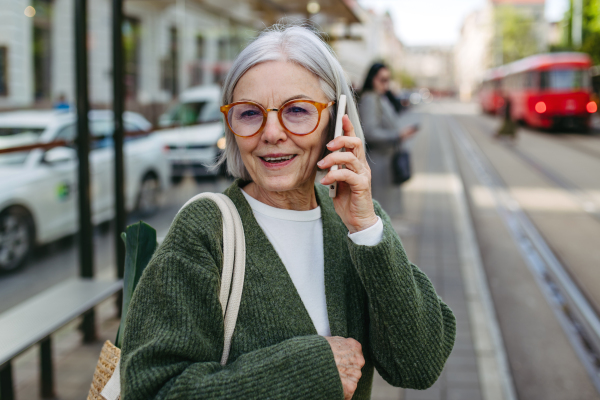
[(34, 321)]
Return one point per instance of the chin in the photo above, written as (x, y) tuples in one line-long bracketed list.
[(278, 183)]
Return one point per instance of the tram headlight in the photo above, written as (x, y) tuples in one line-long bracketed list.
[(591, 107), (540, 107)]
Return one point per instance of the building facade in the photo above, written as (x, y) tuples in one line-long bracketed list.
[(431, 67), (480, 45), (359, 45), (169, 45)]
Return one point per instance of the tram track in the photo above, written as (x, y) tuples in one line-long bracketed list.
[(586, 201), (574, 311), (575, 144)]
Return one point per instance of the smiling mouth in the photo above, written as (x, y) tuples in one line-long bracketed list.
[(278, 160)]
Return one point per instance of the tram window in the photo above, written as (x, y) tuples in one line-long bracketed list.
[(564, 79), (529, 80)]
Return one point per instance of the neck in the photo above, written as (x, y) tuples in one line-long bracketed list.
[(299, 199)]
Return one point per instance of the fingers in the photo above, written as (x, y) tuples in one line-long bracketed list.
[(344, 158), (356, 181), (349, 360), (347, 126), (348, 140), (350, 143)]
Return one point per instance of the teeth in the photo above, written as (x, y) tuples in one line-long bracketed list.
[(271, 159)]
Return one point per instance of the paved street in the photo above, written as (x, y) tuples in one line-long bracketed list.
[(490, 222)]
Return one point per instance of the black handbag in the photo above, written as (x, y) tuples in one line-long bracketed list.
[(401, 169)]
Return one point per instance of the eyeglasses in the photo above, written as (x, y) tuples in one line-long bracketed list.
[(298, 117)]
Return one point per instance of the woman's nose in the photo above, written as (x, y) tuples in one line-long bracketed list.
[(273, 131)]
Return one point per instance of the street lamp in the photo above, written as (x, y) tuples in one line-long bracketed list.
[(313, 7)]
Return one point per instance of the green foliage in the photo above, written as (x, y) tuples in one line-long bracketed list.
[(405, 79), (140, 243), (515, 33), (590, 30)]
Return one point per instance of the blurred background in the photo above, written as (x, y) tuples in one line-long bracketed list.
[(502, 210)]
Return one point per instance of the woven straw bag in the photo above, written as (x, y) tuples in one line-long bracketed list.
[(106, 383), (107, 364)]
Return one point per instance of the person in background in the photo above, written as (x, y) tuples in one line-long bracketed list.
[(509, 127), (383, 130), (61, 103)]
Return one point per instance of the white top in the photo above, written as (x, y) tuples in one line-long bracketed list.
[(297, 237)]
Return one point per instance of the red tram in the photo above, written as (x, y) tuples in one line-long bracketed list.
[(546, 90), (490, 94)]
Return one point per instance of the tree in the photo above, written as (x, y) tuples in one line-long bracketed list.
[(590, 30), (514, 35)]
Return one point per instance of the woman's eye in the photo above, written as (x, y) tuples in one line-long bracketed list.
[(248, 114), (295, 110)]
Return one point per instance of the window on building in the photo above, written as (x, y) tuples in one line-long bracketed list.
[(223, 47), (170, 65), (197, 69), (42, 49), (3, 71), (131, 54)]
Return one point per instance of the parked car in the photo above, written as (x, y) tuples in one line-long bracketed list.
[(193, 131), (38, 189)]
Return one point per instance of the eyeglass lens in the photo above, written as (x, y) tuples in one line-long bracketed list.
[(298, 117)]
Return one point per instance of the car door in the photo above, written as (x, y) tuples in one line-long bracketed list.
[(57, 191), (101, 167)]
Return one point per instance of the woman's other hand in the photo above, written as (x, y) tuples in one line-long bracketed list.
[(349, 360), (353, 201), (408, 132)]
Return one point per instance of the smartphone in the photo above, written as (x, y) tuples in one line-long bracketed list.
[(338, 132)]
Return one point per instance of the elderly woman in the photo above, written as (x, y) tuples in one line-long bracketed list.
[(329, 293)]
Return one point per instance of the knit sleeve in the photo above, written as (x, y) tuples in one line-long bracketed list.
[(411, 330), (174, 333)]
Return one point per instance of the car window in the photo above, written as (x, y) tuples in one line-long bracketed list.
[(20, 133), (131, 127), (211, 112), (189, 113), (67, 133), (100, 128), (17, 136)]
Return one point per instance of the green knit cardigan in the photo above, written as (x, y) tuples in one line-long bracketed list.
[(174, 327)]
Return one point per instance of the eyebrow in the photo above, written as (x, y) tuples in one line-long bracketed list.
[(296, 97)]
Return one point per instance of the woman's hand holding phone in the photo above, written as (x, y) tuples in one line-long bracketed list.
[(353, 202)]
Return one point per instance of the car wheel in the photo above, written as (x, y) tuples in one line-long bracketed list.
[(16, 238), (149, 196)]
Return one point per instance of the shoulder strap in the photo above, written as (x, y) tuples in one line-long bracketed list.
[(234, 263)]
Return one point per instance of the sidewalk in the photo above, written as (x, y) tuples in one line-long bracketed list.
[(430, 229)]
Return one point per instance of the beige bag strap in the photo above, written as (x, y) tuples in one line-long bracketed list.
[(234, 263)]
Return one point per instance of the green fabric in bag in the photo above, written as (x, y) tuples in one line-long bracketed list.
[(140, 244)]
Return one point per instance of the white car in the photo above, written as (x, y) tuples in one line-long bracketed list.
[(193, 131), (38, 189)]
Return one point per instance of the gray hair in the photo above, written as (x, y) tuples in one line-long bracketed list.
[(299, 45)]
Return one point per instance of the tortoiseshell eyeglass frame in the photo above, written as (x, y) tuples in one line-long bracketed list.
[(319, 106)]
